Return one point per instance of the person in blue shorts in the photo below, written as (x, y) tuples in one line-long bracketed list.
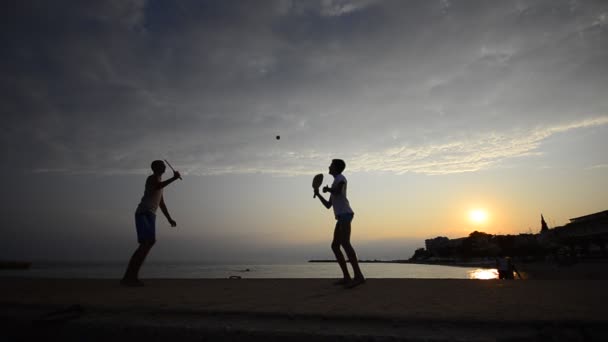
[(145, 220), (344, 215)]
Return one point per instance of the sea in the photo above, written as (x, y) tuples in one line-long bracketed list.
[(181, 270)]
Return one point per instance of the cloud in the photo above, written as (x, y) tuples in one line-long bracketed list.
[(473, 154), (469, 154), (323, 8), (417, 86), (599, 166), (341, 7), (128, 13)]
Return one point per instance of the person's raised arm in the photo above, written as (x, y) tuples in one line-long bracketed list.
[(163, 184)]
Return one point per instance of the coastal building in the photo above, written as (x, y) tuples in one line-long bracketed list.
[(583, 236), (588, 226), (602, 216), (584, 233), (543, 224)]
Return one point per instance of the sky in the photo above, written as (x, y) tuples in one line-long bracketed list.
[(439, 108)]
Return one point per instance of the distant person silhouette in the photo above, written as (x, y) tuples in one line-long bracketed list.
[(506, 268), (145, 220), (344, 215)]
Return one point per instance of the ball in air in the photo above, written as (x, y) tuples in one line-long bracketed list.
[(278, 137)]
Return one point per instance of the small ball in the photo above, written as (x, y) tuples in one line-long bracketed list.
[(278, 137)]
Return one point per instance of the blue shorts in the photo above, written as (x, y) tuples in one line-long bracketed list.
[(146, 227)]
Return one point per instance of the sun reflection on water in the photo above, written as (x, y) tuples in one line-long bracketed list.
[(482, 273)]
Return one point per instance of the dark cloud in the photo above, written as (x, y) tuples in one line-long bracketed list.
[(110, 85)]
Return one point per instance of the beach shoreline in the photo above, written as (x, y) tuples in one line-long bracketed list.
[(594, 269), (402, 309)]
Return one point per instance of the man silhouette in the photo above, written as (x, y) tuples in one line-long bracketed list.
[(344, 215), (145, 220)]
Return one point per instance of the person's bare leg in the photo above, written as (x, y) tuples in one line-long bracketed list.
[(132, 273), (352, 256), (341, 261), (335, 247), (132, 262)]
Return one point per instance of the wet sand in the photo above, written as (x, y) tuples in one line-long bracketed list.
[(395, 308)]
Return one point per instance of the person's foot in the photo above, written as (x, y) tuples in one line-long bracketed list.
[(342, 281), (131, 282), (354, 283)]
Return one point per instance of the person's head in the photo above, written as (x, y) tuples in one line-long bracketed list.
[(336, 167), (158, 167)]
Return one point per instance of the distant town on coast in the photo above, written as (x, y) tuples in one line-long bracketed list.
[(583, 237)]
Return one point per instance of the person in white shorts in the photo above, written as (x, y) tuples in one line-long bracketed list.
[(344, 215)]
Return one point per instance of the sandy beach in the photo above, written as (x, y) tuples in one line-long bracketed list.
[(402, 309)]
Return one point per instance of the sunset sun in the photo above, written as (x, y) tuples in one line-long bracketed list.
[(478, 216)]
